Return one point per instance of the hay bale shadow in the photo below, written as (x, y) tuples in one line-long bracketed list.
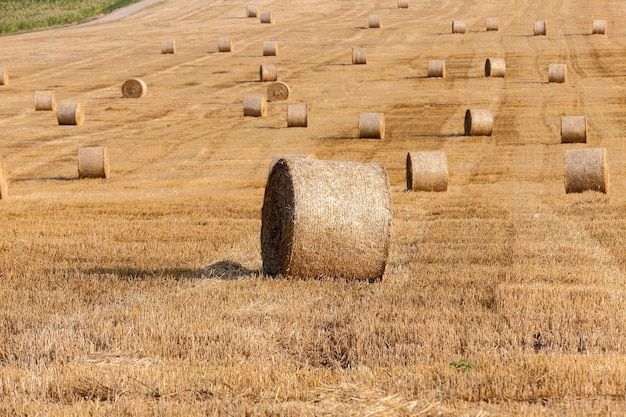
[(133, 274), (228, 270)]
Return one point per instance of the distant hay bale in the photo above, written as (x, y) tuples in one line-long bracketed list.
[(297, 115), (458, 26), (326, 219), (134, 88), (403, 4), (574, 129), (359, 56), (436, 68), (267, 17), (225, 44), (599, 27), (168, 46), (252, 11), (372, 126), (254, 106), (277, 91), (586, 169), (557, 73), (270, 48), (427, 171), (70, 113), (4, 76), (540, 28), (492, 24), (268, 72), (374, 21), (478, 122), (495, 67), (45, 101), (4, 187), (93, 162)]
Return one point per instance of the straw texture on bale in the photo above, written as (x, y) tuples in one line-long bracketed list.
[(4, 76), (586, 170), (277, 91), (427, 171), (436, 68), (255, 106), (134, 88), (326, 219), (267, 17), (252, 11), (372, 126), (540, 27), (270, 48), (359, 56), (225, 44), (492, 24), (374, 21), (574, 129), (599, 27), (70, 113), (4, 187), (403, 4), (289, 156), (168, 46), (45, 101), (297, 115), (93, 162), (557, 73), (495, 67), (268, 72), (478, 122), (458, 26)]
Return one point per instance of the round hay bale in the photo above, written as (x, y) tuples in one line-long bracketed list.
[(599, 27), (574, 129), (540, 28), (403, 4), (492, 24), (45, 101), (436, 68), (93, 162), (288, 156), (270, 48), (268, 72), (254, 106), (267, 17), (495, 67), (557, 73), (359, 56), (426, 171), (297, 115), (277, 91), (4, 76), (458, 26), (252, 11), (70, 113), (372, 126), (4, 187), (586, 169), (478, 122), (134, 88), (225, 44), (374, 21), (326, 219), (168, 46)]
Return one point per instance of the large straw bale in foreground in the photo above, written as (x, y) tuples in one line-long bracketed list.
[(93, 162), (586, 169), (427, 171), (326, 219), (4, 188)]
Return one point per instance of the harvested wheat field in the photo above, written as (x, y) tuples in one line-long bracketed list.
[(142, 294)]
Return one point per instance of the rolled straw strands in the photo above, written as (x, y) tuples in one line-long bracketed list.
[(255, 106), (427, 171), (326, 219), (599, 27), (359, 56), (540, 28), (374, 21), (586, 169), (458, 26), (168, 46), (403, 4), (4, 187), (557, 73), (45, 100), (134, 88), (93, 162), (270, 48), (225, 44), (492, 24), (4, 76), (288, 156), (436, 68), (277, 91), (372, 126), (267, 17), (252, 11), (478, 122), (495, 67), (574, 129), (297, 115), (268, 72), (70, 113)]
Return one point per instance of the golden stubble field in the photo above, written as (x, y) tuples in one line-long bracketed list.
[(142, 294)]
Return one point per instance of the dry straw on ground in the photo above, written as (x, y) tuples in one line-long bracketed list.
[(225, 44), (254, 106), (458, 26), (70, 113), (45, 101), (326, 219), (359, 56), (252, 11), (574, 129), (427, 171), (372, 126), (437, 68), (93, 162), (586, 169), (278, 91), (168, 46), (374, 21), (599, 27), (267, 17), (492, 24), (540, 28), (557, 73), (4, 187), (495, 67), (4, 76), (478, 122), (403, 4), (134, 88), (297, 115), (270, 48), (268, 72)]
